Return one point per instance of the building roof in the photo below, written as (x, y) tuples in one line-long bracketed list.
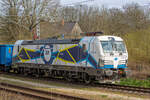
[(58, 27), (66, 28)]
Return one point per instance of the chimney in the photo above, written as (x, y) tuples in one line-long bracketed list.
[(62, 22)]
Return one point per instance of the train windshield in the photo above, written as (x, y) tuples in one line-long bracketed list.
[(117, 46), (107, 47)]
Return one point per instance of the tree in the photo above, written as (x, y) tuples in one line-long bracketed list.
[(19, 17), (136, 17)]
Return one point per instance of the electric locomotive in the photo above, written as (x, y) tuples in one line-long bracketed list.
[(91, 58)]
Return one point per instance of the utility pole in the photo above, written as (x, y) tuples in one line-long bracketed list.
[(37, 37), (38, 27)]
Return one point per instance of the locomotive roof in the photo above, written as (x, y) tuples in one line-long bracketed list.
[(103, 38), (107, 37), (64, 41), (51, 41)]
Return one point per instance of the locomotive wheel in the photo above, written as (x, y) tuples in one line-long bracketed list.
[(87, 79), (115, 76), (16, 71), (25, 74), (37, 75), (69, 79)]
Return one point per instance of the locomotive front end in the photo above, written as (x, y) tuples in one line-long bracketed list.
[(113, 57)]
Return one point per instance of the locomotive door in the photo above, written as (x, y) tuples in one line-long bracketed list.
[(90, 48), (84, 45)]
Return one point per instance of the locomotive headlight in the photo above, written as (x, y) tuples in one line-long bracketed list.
[(120, 54), (124, 57), (126, 61), (101, 62)]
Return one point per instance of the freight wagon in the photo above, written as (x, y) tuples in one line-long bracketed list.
[(6, 51)]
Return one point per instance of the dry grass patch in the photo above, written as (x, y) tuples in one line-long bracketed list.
[(12, 96)]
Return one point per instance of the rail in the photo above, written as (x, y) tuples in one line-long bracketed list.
[(35, 93), (125, 88)]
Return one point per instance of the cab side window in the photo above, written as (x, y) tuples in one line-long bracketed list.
[(84, 47), (18, 48)]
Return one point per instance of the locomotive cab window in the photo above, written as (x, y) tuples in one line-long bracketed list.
[(117, 46), (18, 48)]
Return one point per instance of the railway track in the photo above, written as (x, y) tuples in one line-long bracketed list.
[(124, 88), (37, 94), (114, 87)]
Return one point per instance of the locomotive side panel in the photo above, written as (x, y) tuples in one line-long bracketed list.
[(54, 54)]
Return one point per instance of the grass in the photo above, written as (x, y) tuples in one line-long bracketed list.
[(104, 96), (135, 82)]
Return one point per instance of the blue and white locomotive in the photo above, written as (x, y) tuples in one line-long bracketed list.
[(92, 58)]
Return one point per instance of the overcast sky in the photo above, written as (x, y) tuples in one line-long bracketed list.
[(108, 3)]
